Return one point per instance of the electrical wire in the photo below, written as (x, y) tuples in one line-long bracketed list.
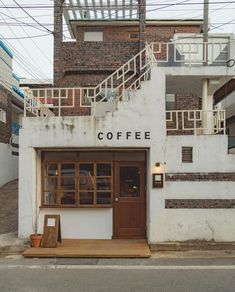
[(19, 21), (26, 12), (39, 73), (38, 6)]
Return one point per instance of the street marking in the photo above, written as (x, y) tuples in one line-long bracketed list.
[(113, 267)]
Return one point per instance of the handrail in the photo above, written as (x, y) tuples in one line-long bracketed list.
[(128, 77), (34, 106), (196, 121)]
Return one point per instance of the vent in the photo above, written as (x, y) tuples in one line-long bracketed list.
[(187, 154)]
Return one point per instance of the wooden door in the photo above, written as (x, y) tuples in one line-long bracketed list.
[(129, 206)]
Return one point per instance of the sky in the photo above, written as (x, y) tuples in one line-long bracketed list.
[(32, 42)]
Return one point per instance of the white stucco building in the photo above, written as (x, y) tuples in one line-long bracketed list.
[(113, 155), (141, 154), (11, 112)]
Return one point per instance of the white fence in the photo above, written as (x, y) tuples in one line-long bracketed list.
[(128, 77), (196, 122)]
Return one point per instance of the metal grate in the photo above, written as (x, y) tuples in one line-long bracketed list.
[(187, 154)]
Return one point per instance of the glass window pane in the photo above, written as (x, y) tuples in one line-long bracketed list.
[(129, 181), (103, 184), (68, 183), (86, 169), (68, 169), (86, 180), (50, 183), (68, 198), (49, 198), (52, 169), (103, 197), (104, 169), (86, 198)]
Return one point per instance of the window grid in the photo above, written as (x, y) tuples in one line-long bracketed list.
[(60, 191)]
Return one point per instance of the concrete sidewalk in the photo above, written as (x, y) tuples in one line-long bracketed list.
[(10, 244), (9, 207)]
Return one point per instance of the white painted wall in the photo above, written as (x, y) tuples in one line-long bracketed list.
[(82, 223), (82, 132), (8, 164), (144, 112)]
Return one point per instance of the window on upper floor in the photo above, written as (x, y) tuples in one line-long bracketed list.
[(93, 36), (134, 35), (3, 116)]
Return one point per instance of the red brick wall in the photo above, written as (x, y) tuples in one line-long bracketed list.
[(188, 102), (92, 58), (5, 104)]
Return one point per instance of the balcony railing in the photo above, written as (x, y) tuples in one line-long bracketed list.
[(128, 78), (192, 53), (195, 122)]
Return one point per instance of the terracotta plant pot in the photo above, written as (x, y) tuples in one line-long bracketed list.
[(36, 240)]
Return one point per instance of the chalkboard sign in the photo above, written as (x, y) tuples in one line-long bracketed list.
[(51, 231)]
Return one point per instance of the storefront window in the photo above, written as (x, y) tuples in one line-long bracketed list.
[(77, 184)]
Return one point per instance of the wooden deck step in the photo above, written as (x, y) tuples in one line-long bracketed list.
[(98, 248)]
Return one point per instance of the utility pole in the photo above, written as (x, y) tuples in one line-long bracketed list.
[(205, 31)]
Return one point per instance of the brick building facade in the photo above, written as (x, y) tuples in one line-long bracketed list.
[(5, 105), (87, 63), (84, 63)]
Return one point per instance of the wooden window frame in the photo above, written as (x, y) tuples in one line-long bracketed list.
[(59, 190), (3, 116), (134, 32)]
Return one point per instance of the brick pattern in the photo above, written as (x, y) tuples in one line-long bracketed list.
[(5, 104), (199, 203), (200, 176), (103, 57), (188, 102), (84, 64), (185, 102), (164, 33)]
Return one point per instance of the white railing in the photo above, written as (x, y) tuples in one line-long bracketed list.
[(115, 87), (196, 122), (33, 106), (192, 53), (128, 77)]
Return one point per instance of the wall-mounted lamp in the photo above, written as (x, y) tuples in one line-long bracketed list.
[(157, 177)]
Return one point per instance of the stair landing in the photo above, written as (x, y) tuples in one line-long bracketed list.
[(89, 248)]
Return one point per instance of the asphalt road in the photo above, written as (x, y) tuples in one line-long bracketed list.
[(121, 276)]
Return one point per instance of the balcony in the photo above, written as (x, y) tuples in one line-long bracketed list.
[(195, 122), (188, 51)]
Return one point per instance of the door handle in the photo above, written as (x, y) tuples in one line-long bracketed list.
[(116, 199)]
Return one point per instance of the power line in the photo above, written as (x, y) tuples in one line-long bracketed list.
[(39, 73), (30, 37), (25, 11), (106, 6), (19, 21), (26, 37)]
